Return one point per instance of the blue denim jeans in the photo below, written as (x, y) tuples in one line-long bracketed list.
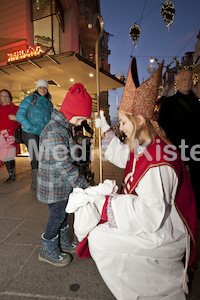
[(57, 219)]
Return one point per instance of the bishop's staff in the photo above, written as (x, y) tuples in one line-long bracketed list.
[(99, 17)]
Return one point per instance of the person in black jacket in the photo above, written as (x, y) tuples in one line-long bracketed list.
[(180, 119)]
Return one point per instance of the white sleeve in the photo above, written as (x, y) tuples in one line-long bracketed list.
[(85, 219), (87, 204), (117, 153), (86, 212), (146, 211)]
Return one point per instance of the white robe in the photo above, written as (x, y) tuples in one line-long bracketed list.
[(142, 257)]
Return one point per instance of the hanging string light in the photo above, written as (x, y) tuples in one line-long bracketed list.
[(168, 13), (134, 34), (135, 31), (178, 63)]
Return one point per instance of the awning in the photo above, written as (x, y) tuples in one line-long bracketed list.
[(58, 70)]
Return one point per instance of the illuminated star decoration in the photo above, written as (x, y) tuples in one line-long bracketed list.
[(151, 69)]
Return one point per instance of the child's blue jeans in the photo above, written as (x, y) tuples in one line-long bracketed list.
[(57, 219)]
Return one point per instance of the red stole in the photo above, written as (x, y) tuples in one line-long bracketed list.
[(184, 201)]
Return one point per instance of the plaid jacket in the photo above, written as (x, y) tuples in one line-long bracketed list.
[(57, 172)]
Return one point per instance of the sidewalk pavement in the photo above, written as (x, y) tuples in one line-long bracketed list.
[(23, 220)]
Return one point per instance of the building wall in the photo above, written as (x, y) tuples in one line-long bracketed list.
[(18, 31), (15, 26), (14, 19), (15, 23), (69, 39)]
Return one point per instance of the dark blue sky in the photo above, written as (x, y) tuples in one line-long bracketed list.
[(155, 40)]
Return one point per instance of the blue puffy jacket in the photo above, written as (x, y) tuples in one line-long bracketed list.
[(38, 116)]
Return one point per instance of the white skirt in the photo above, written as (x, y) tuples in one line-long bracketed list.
[(133, 272)]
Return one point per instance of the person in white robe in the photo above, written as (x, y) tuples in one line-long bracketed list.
[(142, 249)]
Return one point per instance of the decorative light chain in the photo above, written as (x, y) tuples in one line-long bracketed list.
[(179, 64)]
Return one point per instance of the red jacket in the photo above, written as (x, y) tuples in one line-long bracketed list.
[(7, 131)]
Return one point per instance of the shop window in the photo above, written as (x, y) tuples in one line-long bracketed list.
[(43, 34), (45, 8), (47, 18)]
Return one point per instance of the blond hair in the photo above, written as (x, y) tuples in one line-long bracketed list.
[(141, 133)]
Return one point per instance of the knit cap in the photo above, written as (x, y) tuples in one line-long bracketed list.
[(77, 102), (42, 83)]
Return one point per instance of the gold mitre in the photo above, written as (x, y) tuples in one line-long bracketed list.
[(141, 100)]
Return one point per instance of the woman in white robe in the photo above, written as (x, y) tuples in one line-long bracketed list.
[(139, 251), (142, 257)]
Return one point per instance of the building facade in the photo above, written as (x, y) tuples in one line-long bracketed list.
[(50, 39)]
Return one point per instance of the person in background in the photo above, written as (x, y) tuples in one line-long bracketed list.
[(179, 118), (145, 232), (33, 114), (58, 173), (8, 125)]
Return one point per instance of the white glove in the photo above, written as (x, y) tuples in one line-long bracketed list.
[(101, 122), (98, 122), (108, 187)]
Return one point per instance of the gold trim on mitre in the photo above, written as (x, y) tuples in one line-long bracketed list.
[(141, 100), (124, 112)]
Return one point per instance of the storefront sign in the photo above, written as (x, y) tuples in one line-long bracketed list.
[(27, 53)]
